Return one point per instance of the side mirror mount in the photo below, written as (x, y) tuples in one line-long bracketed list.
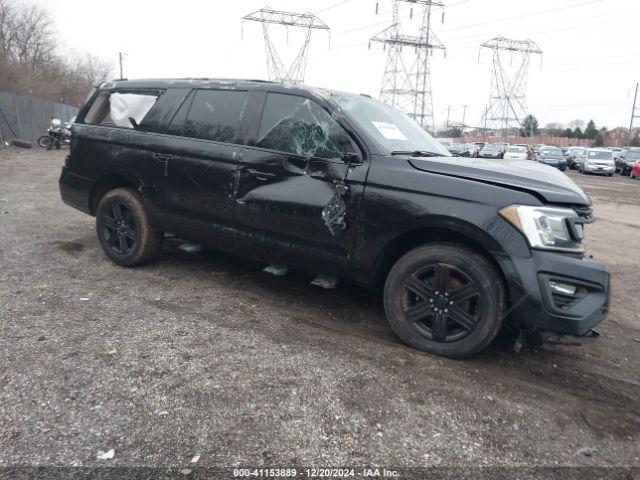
[(351, 158)]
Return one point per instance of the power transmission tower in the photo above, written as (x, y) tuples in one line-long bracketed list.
[(406, 83), (277, 69), (507, 105)]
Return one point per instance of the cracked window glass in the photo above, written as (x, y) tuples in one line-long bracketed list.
[(214, 115), (300, 126)]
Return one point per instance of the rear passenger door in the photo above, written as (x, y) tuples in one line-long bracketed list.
[(199, 164)]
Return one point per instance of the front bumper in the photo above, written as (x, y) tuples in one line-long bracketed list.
[(535, 304), (599, 168)]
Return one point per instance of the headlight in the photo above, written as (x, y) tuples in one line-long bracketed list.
[(547, 228)]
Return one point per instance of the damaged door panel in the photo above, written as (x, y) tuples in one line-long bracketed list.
[(294, 187)]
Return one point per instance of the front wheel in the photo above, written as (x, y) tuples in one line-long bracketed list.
[(44, 141), (445, 299), (124, 229)]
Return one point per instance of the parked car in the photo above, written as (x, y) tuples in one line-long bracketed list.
[(473, 149), (635, 170), (459, 150), (478, 146), (552, 156), (516, 153), (575, 156), (629, 157), (491, 151), (598, 160), (340, 184)]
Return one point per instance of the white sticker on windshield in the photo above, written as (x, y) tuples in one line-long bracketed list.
[(390, 131)]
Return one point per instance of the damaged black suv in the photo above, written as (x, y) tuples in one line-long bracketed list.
[(344, 185)]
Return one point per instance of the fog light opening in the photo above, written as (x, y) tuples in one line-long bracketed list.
[(563, 288)]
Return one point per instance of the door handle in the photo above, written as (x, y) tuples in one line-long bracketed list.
[(163, 158), (258, 175)]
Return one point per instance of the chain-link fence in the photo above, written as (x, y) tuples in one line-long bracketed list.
[(25, 118)]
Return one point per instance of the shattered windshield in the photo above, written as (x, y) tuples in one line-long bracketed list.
[(392, 129)]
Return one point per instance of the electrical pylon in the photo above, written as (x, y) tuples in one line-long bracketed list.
[(507, 105), (406, 83), (276, 68)]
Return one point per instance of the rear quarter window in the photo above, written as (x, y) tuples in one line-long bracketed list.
[(120, 109)]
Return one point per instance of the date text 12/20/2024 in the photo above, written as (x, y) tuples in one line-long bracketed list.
[(316, 473)]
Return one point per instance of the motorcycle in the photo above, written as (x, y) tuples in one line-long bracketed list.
[(57, 135)]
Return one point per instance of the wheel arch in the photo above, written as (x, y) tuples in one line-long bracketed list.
[(107, 182), (442, 229)]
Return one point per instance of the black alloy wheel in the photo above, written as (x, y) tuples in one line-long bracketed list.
[(446, 299), (125, 230), (442, 303), (120, 230)]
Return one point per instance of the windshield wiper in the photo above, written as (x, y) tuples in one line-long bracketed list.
[(416, 153)]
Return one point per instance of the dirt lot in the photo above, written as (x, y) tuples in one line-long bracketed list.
[(203, 354)]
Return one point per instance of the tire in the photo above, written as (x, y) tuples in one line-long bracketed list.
[(475, 316), (124, 229), (21, 143), (44, 141)]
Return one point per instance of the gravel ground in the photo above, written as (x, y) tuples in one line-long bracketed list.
[(203, 354)]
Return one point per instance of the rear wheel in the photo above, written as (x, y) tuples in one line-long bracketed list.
[(445, 299), (44, 141), (124, 229)]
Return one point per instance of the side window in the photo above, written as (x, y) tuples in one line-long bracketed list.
[(300, 126), (176, 127), (117, 109), (214, 115)]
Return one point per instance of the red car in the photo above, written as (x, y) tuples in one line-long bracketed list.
[(635, 170)]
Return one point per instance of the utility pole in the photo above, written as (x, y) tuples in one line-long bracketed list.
[(406, 83), (448, 112), (633, 114), (121, 56), (464, 114)]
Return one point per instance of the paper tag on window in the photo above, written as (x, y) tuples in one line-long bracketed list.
[(390, 131)]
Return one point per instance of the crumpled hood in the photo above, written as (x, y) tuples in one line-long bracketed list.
[(549, 182)]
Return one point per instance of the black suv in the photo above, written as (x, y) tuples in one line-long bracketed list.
[(339, 184)]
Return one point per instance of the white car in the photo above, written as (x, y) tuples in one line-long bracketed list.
[(598, 160), (516, 153)]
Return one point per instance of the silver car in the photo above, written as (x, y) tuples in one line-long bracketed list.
[(598, 160)]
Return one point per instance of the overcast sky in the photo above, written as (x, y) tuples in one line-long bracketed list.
[(589, 69)]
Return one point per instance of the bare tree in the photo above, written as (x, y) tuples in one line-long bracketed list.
[(30, 61)]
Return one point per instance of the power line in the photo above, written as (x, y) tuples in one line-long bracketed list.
[(504, 19), (333, 6)]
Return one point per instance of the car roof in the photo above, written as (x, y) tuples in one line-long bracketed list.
[(214, 83)]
